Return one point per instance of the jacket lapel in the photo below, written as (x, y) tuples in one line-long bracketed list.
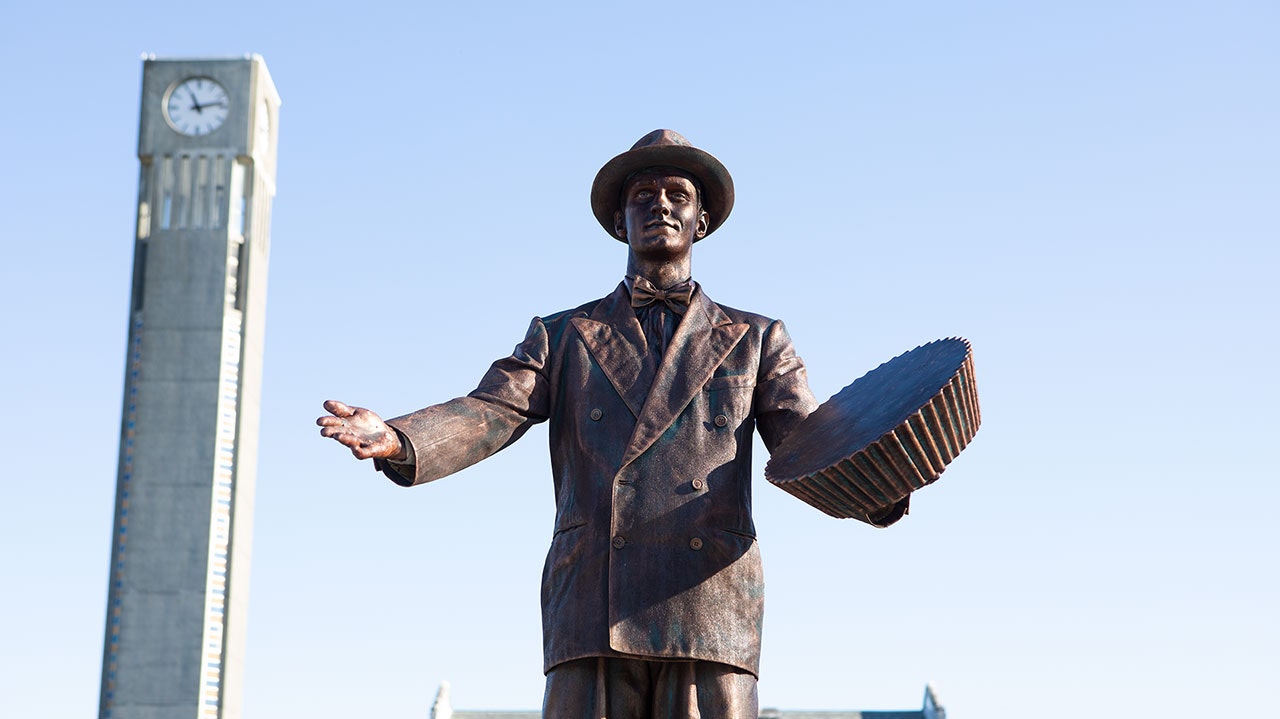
[(701, 342), (613, 336)]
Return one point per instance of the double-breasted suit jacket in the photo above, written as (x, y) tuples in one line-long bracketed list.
[(654, 551)]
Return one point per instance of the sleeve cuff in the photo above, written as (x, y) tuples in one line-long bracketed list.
[(401, 472)]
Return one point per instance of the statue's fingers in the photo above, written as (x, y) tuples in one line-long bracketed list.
[(337, 408), (341, 436), (330, 421)]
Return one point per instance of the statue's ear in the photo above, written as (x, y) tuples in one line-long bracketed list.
[(620, 224), (704, 222)]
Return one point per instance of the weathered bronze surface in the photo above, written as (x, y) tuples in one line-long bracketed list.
[(663, 148), (652, 394), (886, 435)]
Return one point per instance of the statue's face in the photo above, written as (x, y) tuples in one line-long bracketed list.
[(661, 215)]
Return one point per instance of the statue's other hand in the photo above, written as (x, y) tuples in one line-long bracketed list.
[(360, 430)]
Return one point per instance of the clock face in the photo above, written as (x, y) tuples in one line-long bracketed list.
[(196, 106)]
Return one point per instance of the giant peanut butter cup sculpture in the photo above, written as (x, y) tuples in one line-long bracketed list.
[(886, 435)]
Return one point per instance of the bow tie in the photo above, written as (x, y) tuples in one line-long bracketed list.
[(677, 297)]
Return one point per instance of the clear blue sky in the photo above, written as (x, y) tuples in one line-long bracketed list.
[(1088, 191)]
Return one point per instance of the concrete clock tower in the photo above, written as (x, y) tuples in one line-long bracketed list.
[(189, 429)]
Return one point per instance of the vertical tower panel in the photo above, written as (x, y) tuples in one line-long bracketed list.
[(188, 451)]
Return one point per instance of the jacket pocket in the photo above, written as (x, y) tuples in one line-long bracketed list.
[(733, 381)]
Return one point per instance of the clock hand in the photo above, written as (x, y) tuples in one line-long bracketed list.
[(195, 104)]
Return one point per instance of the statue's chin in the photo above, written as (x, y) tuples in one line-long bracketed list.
[(661, 248)]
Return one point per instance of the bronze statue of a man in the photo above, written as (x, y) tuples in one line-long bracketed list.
[(652, 592)]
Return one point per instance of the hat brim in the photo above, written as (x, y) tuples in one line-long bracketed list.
[(717, 185)]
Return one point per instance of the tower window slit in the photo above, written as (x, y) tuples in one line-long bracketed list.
[(183, 194), (200, 192), (242, 275), (144, 202), (139, 275), (165, 191), (218, 217)]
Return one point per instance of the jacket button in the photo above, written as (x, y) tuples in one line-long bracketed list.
[(695, 544), (596, 414), (721, 420), (698, 484), (619, 542)]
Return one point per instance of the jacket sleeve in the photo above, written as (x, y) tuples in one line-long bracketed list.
[(445, 438), (783, 400)]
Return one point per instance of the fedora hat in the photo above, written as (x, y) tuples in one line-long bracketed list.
[(662, 148)]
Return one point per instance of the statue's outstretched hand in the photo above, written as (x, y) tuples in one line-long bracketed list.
[(362, 431)]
